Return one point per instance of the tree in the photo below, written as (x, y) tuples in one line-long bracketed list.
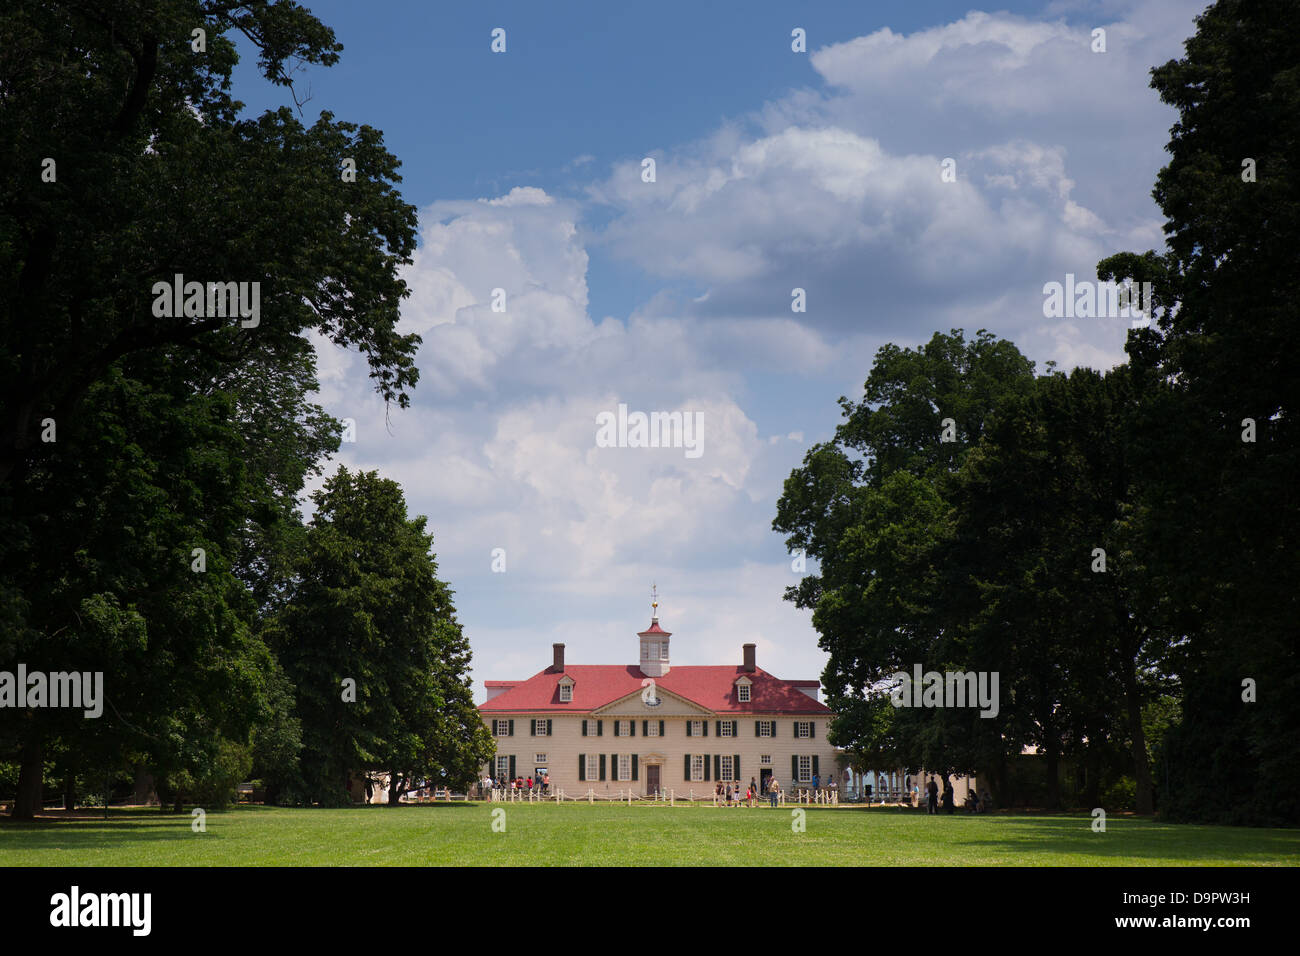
[(873, 508), (1218, 518), (370, 639), (174, 432)]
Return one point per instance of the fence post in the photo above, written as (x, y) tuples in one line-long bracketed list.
[(670, 799), (591, 796)]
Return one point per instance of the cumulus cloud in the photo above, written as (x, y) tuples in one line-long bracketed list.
[(837, 191)]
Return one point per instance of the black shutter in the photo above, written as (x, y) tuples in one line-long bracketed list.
[(812, 730), (686, 775), (704, 727), (735, 728), (631, 728), (815, 770), (774, 728), (512, 766), (717, 729), (532, 727), (600, 732), (757, 728), (602, 766), (735, 767), (661, 728), (688, 728), (706, 766), (634, 766), (717, 766), (582, 766), (584, 728), (512, 729), (645, 728), (549, 732), (794, 769)]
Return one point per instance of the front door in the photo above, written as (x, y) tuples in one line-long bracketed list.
[(764, 776), (652, 778)]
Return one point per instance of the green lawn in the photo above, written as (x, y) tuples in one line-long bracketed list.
[(541, 835)]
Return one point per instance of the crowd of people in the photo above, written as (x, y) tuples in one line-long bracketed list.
[(540, 785)]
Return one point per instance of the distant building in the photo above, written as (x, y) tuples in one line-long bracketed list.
[(651, 727)]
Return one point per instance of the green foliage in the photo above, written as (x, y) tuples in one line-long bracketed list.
[(367, 607)]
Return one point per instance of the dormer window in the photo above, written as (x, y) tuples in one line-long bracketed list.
[(566, 689), (742, 690)]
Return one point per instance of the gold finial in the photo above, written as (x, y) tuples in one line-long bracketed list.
[(654, 599)]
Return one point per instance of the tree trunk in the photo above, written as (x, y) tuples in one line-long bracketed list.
[(143, 789), (1092, 787), (1141, 766), (70, 792), (31, 782), (1052, 758)]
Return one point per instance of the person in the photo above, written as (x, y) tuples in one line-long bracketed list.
[(932, 792), (948, 803), (817, 784), (529, 784), (773, 789), (546, 782), (753, 786), (984, 804), (749, 795)]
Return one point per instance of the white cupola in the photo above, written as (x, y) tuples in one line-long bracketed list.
[(654, 642)]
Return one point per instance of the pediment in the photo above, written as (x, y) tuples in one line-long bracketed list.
[(670, 705)]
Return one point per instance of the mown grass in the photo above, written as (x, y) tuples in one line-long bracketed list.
[(579, 834)]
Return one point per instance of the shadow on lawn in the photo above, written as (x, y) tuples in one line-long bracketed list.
[(1137, 838)]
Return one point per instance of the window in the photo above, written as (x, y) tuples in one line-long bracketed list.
[(566, 693), (650, 651), (765, 760), (725, 729), (625, 766), (803, 728), (697, 730), (623, 728), (697, 766), (742, 693), (663, 651), (503, 767), (593, 766), (540, 758), (652, 728), (540, 727), (805, 769), (727, 768), (765, 728), (501, 728)]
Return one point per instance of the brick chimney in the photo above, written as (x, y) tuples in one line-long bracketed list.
[(557, 663), (750, 666)]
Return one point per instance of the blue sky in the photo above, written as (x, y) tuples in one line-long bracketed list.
[(775, 170)]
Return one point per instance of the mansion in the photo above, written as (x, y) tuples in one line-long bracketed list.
[(651, 727)]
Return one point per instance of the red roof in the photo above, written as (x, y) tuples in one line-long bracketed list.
[(712, 688)]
